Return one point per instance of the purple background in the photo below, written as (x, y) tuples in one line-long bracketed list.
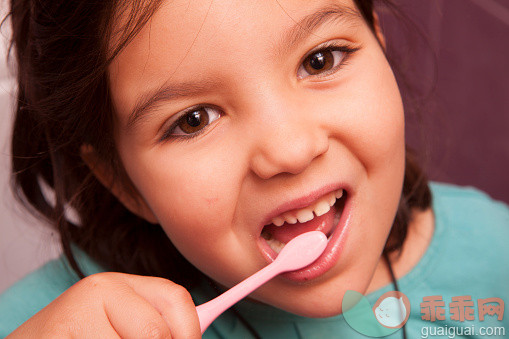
[(462, 134)]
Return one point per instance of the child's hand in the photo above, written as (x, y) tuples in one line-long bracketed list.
[(115, 304)]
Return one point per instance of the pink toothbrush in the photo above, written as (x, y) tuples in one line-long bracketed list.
[(300, 252)]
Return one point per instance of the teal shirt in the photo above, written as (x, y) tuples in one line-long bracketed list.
[(468, 256)]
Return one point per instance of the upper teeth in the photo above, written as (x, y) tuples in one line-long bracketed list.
[(318, 208)]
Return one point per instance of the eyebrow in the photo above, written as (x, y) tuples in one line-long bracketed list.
[(305, 27), (147, 102), (292, 37)]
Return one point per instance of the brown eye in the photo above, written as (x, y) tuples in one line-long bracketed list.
[(319, 62), (325, 61), (194, 121)]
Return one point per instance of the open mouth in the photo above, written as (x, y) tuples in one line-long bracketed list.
[(322, 215)]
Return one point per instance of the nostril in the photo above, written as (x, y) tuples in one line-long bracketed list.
[(266, 167), (290, 161), (289, 150)]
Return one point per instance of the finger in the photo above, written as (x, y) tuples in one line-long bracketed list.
[(132, 316), (173, 302), (88, 327)]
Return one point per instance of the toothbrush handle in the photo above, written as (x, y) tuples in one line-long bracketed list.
[(210, 310)]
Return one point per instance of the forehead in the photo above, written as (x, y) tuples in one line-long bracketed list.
[(183, 38)]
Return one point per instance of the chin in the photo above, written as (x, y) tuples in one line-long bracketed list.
[(316, 308)]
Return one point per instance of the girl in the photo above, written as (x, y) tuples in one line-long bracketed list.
[(195, 138)]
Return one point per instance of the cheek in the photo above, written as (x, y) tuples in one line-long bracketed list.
[(186, 190), (381, 148), (370, 127), (370, 117)]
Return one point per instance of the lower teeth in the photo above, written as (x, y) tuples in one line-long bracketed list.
[(337, 216), (276, 245)]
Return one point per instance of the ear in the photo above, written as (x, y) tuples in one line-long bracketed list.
[(136, 204), (378, 31)]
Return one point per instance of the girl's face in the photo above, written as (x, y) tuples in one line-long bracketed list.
[(236, 114)]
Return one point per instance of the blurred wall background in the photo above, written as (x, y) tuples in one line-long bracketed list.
[(462, 133)]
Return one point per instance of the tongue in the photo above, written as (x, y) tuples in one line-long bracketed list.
[(287, 232)]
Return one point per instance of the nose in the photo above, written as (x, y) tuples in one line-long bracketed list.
[(287, 141)]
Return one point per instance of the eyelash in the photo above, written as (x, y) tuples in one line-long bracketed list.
[(330, 46), (184, 137)]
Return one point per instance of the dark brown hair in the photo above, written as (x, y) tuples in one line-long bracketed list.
[(63, 102)]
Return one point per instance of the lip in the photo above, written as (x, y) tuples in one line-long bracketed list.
[(336, 240)]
